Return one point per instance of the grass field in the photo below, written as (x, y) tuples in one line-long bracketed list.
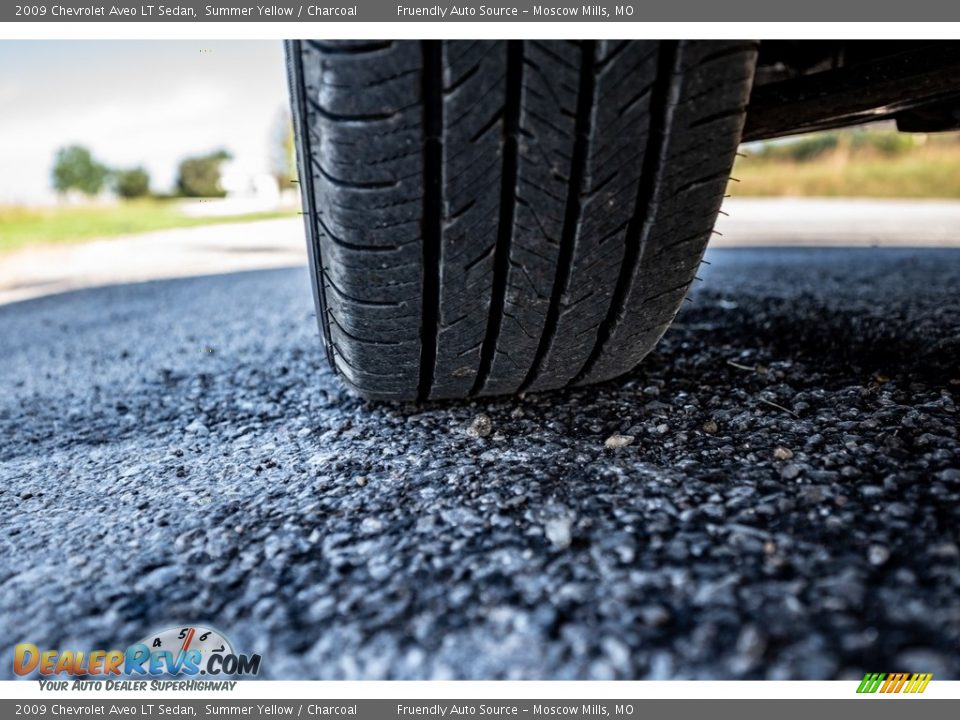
[(23, 226), (879, 164)]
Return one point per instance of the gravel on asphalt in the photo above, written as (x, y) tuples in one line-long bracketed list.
[(773, 494)]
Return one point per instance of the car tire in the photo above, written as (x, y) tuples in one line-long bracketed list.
[(495, 217)]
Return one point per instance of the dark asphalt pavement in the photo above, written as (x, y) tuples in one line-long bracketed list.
[(789, 506)]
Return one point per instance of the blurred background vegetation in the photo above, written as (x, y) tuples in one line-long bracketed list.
[(97, 201), (873, 162)]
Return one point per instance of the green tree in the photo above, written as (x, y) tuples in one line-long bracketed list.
[(75, 169), (200, 176), (132, 183)]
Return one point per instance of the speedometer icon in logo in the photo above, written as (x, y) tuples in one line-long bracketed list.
[(202, 642)]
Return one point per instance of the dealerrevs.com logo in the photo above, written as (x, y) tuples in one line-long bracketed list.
[(179, 651)]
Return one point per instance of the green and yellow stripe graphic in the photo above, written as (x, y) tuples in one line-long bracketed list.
[(894, 682)]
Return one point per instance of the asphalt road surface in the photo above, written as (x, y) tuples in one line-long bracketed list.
[(176, 452)]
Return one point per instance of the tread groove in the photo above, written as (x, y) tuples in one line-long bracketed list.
[(646, 192), (351, 117), (494, 119), (571, 220), (350, 184), (731, 113), (458, 83), (508, 197), (355, 300), (432, 98), (352, 246)]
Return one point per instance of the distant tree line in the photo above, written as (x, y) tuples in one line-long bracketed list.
[(75, 168), (877, 142)]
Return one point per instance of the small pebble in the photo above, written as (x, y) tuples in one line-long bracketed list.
[(558, 532), (481, 426), (654, 615), (617, 441), (878, 554), (197, 428), (790, 472), (782, 453)]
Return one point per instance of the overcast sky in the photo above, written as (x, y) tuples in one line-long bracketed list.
[(134, 103)]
